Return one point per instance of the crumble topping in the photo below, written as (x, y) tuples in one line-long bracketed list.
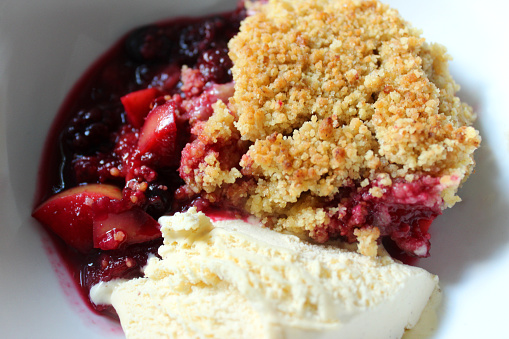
[(334, 97), (367, 238), (217, 145)]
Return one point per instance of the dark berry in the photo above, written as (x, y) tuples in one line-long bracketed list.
[(159, 199), (196, 38), (98, 168), (148, 44), (126, 263), (90, 130), (215, 65)]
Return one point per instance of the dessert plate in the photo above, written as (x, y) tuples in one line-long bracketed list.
[(46, 45)]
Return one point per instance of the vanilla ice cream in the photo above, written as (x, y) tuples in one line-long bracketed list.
[(234, 279)]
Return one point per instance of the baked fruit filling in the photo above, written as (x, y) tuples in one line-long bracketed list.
[(328, 119), (111, 162)]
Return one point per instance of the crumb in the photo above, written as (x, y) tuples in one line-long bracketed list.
[(332, 95), (367, 238)]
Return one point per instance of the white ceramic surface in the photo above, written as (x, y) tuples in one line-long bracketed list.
[(45, 45)]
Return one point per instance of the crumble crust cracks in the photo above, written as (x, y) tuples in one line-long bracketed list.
[(334, 102)]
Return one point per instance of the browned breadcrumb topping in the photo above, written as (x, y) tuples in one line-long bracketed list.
[(332, 93)]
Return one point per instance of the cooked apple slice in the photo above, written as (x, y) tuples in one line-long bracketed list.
[(159, 134), (128, 227), (137, 104), (70, 213)]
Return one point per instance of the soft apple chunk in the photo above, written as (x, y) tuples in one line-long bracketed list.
[(159, 134), (133, 226), (70, 213), (137, 105)]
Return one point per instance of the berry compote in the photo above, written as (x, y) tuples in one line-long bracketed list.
[(111, 161)]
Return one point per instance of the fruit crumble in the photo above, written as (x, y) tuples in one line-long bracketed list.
[(327, 119), (352, 121)]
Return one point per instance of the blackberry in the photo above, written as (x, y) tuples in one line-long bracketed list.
[(215, 65), (91, 169), (196, 38), (90, 131), (148, 44)]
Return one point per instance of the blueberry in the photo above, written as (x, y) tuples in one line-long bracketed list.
[(159, 199)]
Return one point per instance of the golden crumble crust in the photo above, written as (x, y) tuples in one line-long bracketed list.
[(367, 238), (338, 93)]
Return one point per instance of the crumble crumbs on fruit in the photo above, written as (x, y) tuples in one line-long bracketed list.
[(352, 120)]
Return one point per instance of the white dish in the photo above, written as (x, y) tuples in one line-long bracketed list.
[(46, 45)]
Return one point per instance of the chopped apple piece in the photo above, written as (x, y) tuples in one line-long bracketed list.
[(137, 104), (128, 227), (159, 134), (70, 213)]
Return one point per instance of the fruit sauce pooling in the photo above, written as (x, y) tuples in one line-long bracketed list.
[(94, 140)]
